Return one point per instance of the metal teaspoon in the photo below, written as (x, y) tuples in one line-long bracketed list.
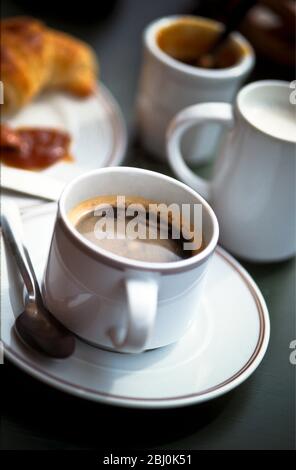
[(36, 325)]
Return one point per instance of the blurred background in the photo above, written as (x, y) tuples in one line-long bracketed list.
[(114, 28)]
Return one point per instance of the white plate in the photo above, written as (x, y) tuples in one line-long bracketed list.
[(222, 349), (96, 125)]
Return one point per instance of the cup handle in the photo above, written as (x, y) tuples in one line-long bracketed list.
[(142, 296), (194, 115)]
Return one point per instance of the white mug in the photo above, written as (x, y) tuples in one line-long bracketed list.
[(168, 85), (112, 301), (252, 189)]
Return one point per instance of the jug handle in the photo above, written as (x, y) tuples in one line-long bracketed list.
[(198, 114)]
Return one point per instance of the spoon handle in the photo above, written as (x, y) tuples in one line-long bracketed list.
[(236, 17), (12, 231)]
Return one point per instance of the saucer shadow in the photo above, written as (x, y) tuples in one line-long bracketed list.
[(65, 422)]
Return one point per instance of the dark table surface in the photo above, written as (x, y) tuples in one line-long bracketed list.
[(260, 414)]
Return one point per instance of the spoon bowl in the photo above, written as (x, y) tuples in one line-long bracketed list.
[(38, 328)]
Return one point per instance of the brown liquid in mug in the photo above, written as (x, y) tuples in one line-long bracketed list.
[(164, 248), (187, 39)]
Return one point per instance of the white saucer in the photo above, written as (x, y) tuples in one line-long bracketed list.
[(222, 349), (96, 125)]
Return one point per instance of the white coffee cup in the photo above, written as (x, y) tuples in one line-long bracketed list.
[(113, 301), (168, 85), (252, 189)]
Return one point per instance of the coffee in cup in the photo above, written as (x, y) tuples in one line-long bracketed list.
[(187, 39), (117, 302), (135, 227), (171, 79)]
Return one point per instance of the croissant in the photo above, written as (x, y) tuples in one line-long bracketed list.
[(35, 58)]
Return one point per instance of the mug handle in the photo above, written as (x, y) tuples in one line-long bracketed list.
[(193, 115), (142, 296)]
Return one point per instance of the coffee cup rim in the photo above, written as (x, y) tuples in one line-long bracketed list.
[(122, 262), (238, 69), (258, 84)]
